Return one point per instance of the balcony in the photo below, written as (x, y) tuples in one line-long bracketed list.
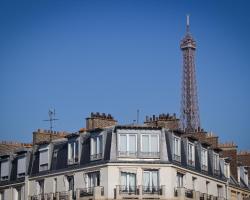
[(130, 154), (191, 163), (184, 193), (49, 196), (139, 192), (150, 154), (96, 156), (176, 158), (90, 193), (216, 172), (204, 168)]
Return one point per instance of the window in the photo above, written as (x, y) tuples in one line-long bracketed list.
[(73, 152), (127, 145), (150, 181), (40, 187), (93, 179), (177, 149), (43, 159), (21, 166), (150, 145), (128, 182), (96, 148), (194, 183), (207, 186), (179, 179), (5, 170), (54, 185), (216, 164), (220, 191), (204, 159), (191, 154)]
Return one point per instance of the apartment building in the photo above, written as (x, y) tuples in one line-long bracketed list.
[(121, 162)]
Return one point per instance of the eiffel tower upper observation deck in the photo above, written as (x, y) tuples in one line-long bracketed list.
[(190, 119)]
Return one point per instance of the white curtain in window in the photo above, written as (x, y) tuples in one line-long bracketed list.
[(124, 179), (145, 143), (132, 181), (44, 157), (4, 168), (132, 143), (146, 179), (154, 143), (154, 179), (21, 165)]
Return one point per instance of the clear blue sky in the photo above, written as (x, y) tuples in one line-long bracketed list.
[(120, 56)]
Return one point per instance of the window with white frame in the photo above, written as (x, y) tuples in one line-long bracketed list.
[(191, 154), (227, 170), (204, 159), (216, 161), (127, 145), (93, 179), (96, 147), (21, 166), (177, 149), (179, 180), (73, 152), (150, 180), (43, 159), (5, 169), (128, 182), (150, 145)]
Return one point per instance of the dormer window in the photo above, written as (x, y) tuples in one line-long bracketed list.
[(204, 159), (44, 159), (73, 152), (191, 154), (150, 145), (21, 166), (127, 146), (96, 148), (5, 169), (177, 149), (216, 164)]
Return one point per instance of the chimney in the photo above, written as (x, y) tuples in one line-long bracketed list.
[(163, 120), (97, 120)]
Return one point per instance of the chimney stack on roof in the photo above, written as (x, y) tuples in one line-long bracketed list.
[(97, 120)]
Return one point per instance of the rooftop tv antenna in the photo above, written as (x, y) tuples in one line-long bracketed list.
[(52, 118)]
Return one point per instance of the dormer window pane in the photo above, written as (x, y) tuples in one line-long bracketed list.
[(44, 160), (4, 170), (132, 143), (177, 149), (123, 143), (216, 163), (154, 143), (73, 151), (21, 166), (191, 154), (150, 145), (204, 159), (145, 143), (96, 148)]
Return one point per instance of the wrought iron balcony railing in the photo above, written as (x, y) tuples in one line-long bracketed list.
[(189, 193), (124, 189), (127, 153), (152, 190), (150, 154), (96, 156), (176, 158)]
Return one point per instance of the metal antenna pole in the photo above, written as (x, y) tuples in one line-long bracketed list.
[(52, 118)]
